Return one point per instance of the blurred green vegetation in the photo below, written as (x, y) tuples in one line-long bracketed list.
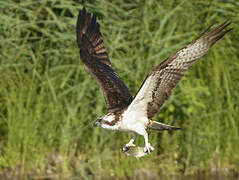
[(48, 102)]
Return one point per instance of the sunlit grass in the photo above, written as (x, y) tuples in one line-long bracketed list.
[(48, 102)]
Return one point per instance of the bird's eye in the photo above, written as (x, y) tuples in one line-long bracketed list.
[(102, 121)]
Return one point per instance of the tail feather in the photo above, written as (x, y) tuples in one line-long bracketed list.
[(160, 126)]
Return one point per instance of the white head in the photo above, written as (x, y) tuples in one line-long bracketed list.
[(107, 121)]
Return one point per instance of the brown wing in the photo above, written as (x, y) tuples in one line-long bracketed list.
[(96, 61), (160, 82)]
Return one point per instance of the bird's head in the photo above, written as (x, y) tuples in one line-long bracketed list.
[(106, 121)]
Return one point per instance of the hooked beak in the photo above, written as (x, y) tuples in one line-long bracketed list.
[(97, 123)]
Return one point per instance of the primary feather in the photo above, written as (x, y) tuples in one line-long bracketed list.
[(96, 61), (161, 80), (125, 114)]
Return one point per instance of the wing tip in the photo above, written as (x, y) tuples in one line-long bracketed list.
[(219, 31), (86, 24), (89, 38), (213, 35)]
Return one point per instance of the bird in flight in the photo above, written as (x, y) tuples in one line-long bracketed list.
[(125, 113)]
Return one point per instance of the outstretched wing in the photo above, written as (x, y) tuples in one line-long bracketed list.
[(160, 82), (96, 61)]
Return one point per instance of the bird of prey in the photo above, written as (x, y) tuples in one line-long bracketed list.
[(125, 113)]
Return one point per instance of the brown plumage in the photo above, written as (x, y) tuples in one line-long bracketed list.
[(164, 77), (125, 114), (96, 61)]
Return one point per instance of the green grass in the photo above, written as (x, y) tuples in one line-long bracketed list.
[(48, 103)]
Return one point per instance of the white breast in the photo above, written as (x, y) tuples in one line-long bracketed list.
[(133, 121)]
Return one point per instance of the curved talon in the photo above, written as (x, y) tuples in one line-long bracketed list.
[(148, 148), (125, 148)]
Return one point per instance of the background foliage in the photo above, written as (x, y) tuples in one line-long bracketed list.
[(48, 102)]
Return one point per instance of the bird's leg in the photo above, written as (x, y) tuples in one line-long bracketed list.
[(147, 147), (131, 142)]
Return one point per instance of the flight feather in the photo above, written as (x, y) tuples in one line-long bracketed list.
[(161, 80), (96, 61)]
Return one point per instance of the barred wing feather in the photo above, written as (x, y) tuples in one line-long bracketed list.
[(160, 82), (96, 61)]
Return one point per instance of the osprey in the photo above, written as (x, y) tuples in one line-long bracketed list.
[(125, 113)]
